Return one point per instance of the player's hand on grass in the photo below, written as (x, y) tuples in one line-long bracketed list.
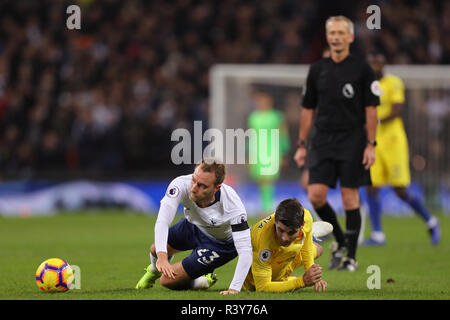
[(229, 291), (320, 286), (312, 275), (300, 156), (369, 156), (163, 265)]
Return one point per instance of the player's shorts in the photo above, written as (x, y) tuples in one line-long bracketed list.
[(338, 156), (391, 165), (207, 253)]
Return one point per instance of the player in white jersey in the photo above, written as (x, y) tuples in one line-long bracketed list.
[(215, 229)]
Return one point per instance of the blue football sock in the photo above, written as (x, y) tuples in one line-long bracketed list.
[(374, 211), (418, 206)]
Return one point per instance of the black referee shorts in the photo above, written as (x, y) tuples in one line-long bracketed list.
[(338, 156)]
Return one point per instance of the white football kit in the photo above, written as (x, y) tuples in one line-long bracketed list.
[(223, 221)]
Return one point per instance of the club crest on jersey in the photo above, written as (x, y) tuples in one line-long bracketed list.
[(348, 91), (265, 255), (172, 192)]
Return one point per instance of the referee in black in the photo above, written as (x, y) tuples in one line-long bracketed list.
[(340, 99)]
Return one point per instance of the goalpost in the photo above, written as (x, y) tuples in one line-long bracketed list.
[(426, 114)]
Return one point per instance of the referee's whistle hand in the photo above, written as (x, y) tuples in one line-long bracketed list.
[(300, 156), (368, 157)]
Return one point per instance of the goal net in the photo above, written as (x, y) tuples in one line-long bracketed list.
[(426, 116)]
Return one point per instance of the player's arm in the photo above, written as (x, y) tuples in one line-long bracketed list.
[(306, 116), (264, 283), (243, 244), (313, 274), (371, 100), (165, 217), (166, 214), (307, 251), (262, 276)]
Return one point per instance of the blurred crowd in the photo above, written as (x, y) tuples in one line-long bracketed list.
[(107, 97)]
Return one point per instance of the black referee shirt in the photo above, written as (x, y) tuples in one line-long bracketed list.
[(340, 92)]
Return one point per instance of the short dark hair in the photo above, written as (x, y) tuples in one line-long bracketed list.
[(290, 212), (213, 165)]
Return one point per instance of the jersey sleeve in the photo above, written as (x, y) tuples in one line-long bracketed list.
[(175, 192), (307, 251), (371, 87), (310, 89), (243, 244), (167, 211), (166, 215), (397, 90), (241, 237), (262, 275), (234, 207)]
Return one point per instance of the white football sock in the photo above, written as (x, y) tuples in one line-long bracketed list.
[(201, 283), (153, 260)]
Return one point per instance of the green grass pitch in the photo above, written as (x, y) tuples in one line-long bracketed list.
[(111, 249)]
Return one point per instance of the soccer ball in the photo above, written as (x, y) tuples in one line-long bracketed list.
[(54, 275)]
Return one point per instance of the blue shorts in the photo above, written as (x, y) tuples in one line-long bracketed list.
[(207, 254)]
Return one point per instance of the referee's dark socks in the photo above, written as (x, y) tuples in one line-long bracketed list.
[(326, 213), (353, 225)]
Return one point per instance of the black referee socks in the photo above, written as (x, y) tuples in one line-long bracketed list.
[(326, 213), (353, 225)]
